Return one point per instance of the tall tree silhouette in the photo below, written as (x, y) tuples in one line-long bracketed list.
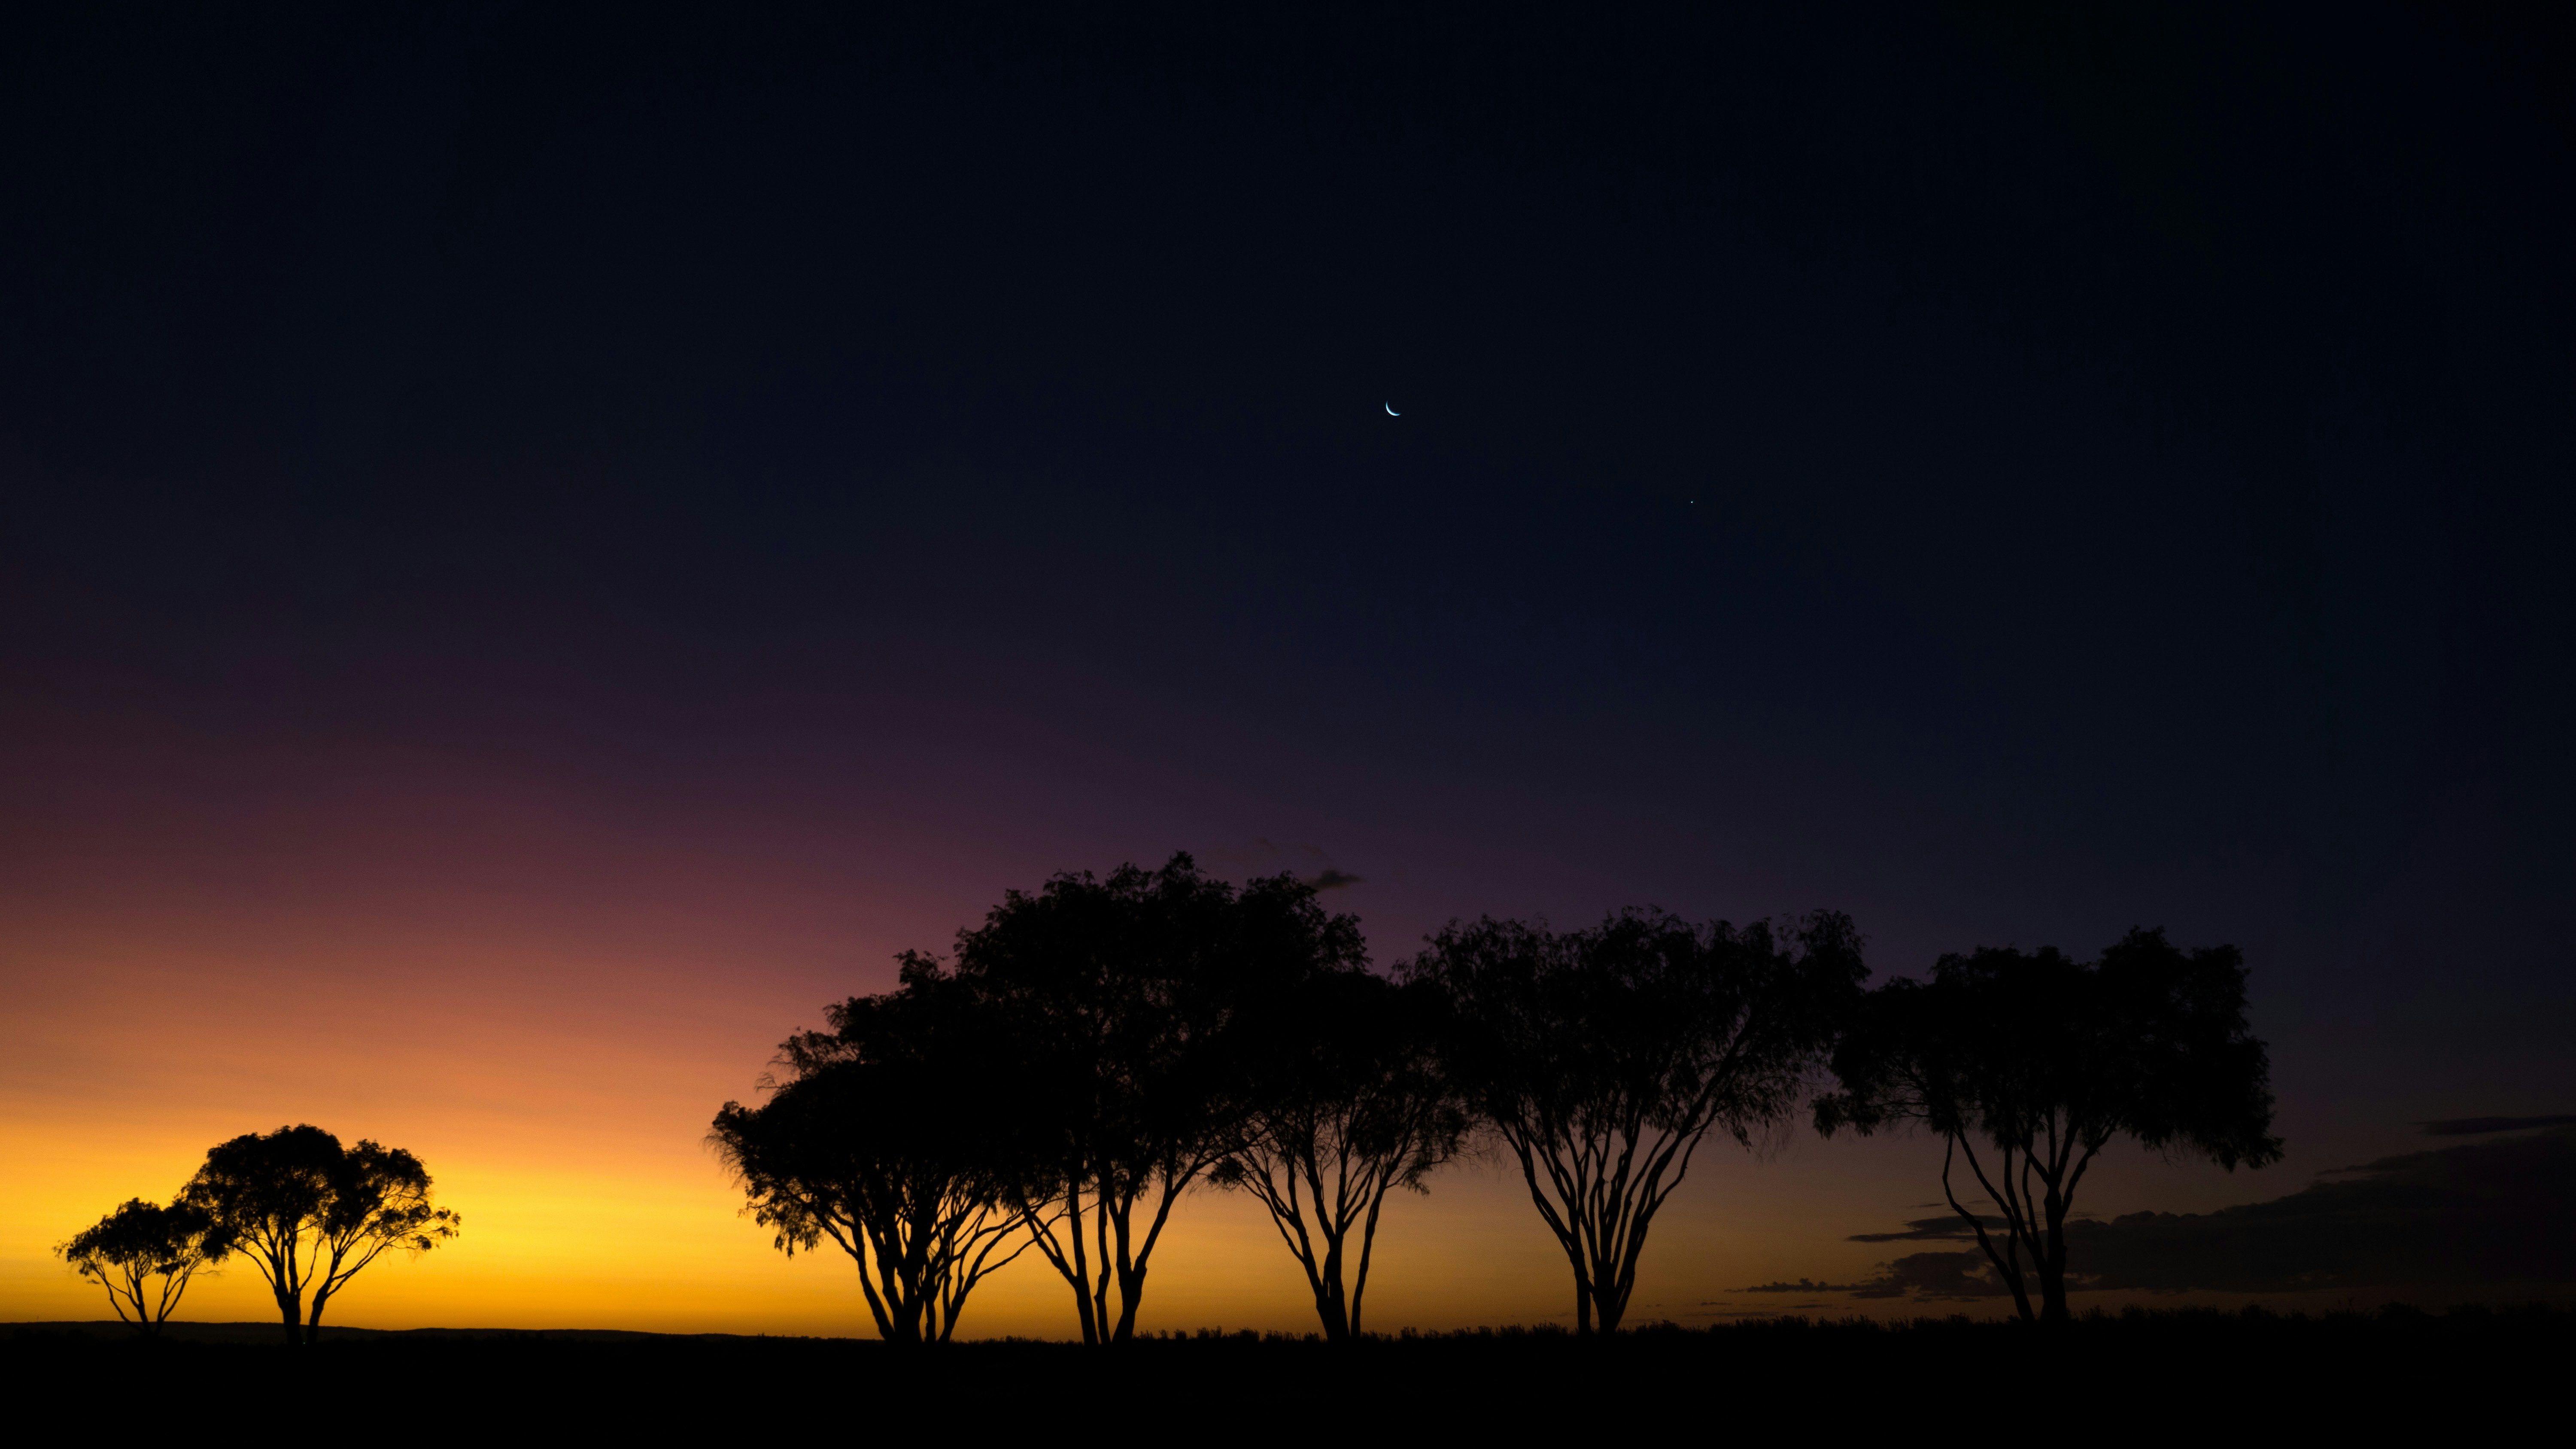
[(2046, 1060), (1122, 998), (895, 1135), (1348, 1103), (125, 1251), (1602, 1058), (310, 1214)]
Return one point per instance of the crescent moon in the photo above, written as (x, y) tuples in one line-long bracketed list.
[(1390, 410)]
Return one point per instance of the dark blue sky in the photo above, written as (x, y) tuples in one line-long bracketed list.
[(2007, 475)]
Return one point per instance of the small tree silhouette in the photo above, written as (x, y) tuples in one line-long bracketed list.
[(2047, 1060), (139, 1242), (310, 1214), (1349, 1103), (894, 1138), (1602, 1058)]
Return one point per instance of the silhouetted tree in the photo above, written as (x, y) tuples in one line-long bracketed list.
[(1601, 1058), (139, 1242), (1121, 999), (310, 1214), (1348, 1103), (2047, 1060), (896, 1137)]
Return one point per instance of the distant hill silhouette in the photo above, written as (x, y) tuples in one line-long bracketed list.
[(266, 1333)]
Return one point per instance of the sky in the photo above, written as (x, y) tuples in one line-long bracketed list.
[(541, 544)]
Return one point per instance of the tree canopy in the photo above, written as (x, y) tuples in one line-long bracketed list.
[(310, 1214), (139, 1242), (2046, 1060), (1601, 1058)]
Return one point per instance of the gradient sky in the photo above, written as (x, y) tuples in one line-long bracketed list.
[(538, 546)]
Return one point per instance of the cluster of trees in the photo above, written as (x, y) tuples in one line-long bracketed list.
[(1093, 1050), (306, 1212)]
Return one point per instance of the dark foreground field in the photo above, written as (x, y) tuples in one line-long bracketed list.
[(2137, 1374)]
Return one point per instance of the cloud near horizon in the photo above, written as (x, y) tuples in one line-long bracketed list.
[(2474, 1215), (1948, 1225)]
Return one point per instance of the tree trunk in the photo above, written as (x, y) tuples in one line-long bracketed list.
[(1332, 1305), (293, 1312), (1331, 1308), (2006, 1269), (2052, 1263), (1080, 1277), (1612, 1306), (313, 1322), (1329, 1311), (1131, 1292), (1368, 1246)]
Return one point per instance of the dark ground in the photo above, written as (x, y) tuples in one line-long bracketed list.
[(2137, 1374)]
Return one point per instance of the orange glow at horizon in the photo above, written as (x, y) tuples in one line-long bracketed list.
[(547, 1002), (576, 1154)]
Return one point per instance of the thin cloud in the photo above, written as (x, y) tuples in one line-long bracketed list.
[(1949, 1225), (1928, 1277), (2476, 1126), (1332, 878)]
